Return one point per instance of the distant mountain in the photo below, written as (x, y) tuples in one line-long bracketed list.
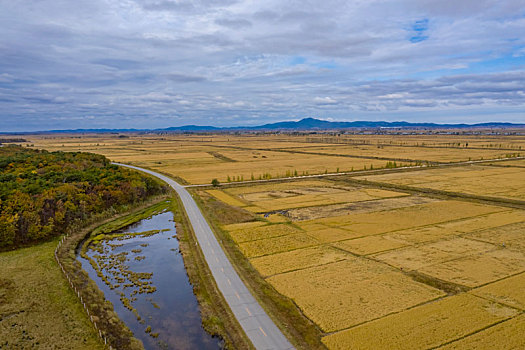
[(312, 123), (303, 124), (317, 124), (191, 128)]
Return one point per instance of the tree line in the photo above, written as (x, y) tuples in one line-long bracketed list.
[(44, 193)]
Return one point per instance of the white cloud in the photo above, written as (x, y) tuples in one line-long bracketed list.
[(127, 60)]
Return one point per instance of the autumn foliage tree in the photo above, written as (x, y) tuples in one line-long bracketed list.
[(43, 193)]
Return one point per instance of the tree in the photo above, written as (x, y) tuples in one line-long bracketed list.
[(215, 183)]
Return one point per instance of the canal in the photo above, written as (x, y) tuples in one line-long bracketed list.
[(141, 272)]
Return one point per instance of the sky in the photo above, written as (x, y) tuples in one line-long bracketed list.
[(158, 63)]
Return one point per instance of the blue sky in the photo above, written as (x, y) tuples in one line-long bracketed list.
[(159, 63)]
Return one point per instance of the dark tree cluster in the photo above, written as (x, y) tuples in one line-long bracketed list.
[(43, 193)]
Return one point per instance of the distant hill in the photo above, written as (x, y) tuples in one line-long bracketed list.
[(317, 124), (303, 124), (312, 123)]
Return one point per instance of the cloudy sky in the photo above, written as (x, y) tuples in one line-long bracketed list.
[(158, 63)]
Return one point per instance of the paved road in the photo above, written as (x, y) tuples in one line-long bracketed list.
[(261, 330)]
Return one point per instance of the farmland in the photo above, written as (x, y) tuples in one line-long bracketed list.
[(379, 257)]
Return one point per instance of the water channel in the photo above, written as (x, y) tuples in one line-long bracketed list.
[(141, 272)]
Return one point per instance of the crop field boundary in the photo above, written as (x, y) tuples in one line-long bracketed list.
[(337, 142), (348, 173), (361, 143), (476, 331), (510, 203), (303, 333), (282, 150)]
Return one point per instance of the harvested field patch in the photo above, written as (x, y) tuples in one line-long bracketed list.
[(459, 227), (349, 292), (297, 259), (226, 198), (331, 234), (503, 235), (505, 335), (275, 245), (282, 187), (366, 224), (416, 153), (369, 245), (316, 196), (415, 258), (477, 180), (423, 327), (511, 163), (477, 270), (254, 209), (276, 218), (243, 225), (368, 206), (509, 291), (263, 232), (301, 191), (273, 164), (311, 226)]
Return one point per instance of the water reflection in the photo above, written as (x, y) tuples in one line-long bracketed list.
[(141, 271)]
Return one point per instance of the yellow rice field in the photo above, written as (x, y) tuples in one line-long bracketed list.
[(350, 292), (477, 180), (423, 327), (347, 272), (371, 267), (504, 335)]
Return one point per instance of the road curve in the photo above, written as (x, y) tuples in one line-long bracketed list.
[(257, 325)]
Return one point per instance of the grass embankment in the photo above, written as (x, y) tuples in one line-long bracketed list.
[(217, 317), (111, 327), (38, 309), (297, 328)]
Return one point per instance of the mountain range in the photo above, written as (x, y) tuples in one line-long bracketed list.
[(303, 124)]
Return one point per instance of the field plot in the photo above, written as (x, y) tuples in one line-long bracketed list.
[(313, 196), (277, 165), (518, 163), (297, 259), (474, 271), (347, 293), (511, 235), (424, 327), (508, 291), (444, 141), (477, 180), (281, 243), (483, 225), (369, 245), (350, 264), (411, 153), (505, 335), (220, 195), (262, 232), (367, 224)]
